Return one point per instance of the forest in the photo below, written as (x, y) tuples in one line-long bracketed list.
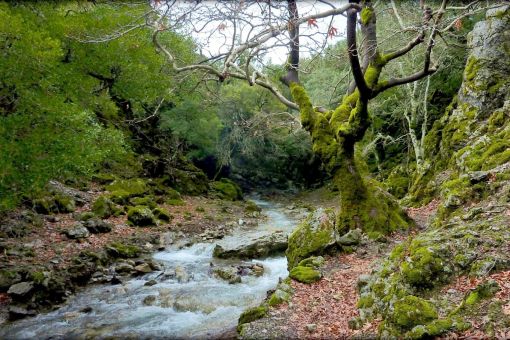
[(255, 169)]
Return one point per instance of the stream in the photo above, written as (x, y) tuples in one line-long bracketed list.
[(203, 307)]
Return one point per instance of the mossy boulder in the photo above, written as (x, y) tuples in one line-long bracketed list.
[(8, 277), (128, 187), (423, 267), (313, 236), (191, 181), (146, 200), (103, 207), (54, 203), (162, 214), (411, 311), (104, 178), (278, 297), (305, 274), (141, 216), (121, 250), (227, 190), (252, 314)]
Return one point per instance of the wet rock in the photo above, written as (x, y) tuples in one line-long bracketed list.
[(181, 275), (20, 290), (97, 226), (149, 300), (260, 247), (352, 238), (18, 312), (86, 310), (143, 268), (228, 274), (150, 283), (78, 231), (123, 268)]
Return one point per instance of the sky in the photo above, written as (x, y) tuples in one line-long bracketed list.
[(214, 35)]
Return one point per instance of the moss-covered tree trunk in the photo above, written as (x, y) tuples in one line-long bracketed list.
[(363, 203)]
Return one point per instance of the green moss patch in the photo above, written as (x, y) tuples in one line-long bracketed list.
[(141, 216), (305, 274), (227, 190)]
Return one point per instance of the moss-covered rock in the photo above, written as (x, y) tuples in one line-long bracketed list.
[(411, 311), (54, 203), (104, 178), (162, 214), (104, 207), (305, 274), (129, 187), (121, 250), (146, 200), (226, 189), (175, 202), (141, 216), (252, 314), (190, 181), (314, 236)]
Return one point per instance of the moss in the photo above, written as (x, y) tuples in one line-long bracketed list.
[(38, 277), (423, 267), (251, 207), (252, 314), (103, 207), (162, 214), (411, 311), (312, 262), (313, 236), (305, 274), (278, 297), (85, 216), (366, 15), (104, 178), (174, 202), (435, 328), (53, 203), (482, 291), (191, 181), (472, 67), (366, 301), (147, 201), (133, 187), (117, 249), (227, 190), (496, 120), (141, 216)]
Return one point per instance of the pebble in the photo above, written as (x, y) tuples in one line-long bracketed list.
[(311, 327)]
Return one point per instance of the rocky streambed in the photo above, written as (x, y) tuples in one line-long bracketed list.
[(191, 293)]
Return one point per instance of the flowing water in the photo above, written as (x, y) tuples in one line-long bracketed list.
[(199, 308)]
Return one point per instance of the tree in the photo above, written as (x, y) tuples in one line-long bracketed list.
[(251, 28)]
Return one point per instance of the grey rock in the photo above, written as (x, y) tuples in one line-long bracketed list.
[(228, 274), (78, 231), (150, 283), (311, 327), (20, 289), (352, 238), (255, 248), (149, 300), (124, 268), (143, 268), (97, 226), (17, 312)]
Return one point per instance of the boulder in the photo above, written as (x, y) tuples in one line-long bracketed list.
[(143, 268), (97, 226), (352, 238), (181, 275), (78, 231), (313, 236), (18, 312), (123, 268), (229, 274), (104, 207), (256, 248), (20, 290), (141, 216)]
